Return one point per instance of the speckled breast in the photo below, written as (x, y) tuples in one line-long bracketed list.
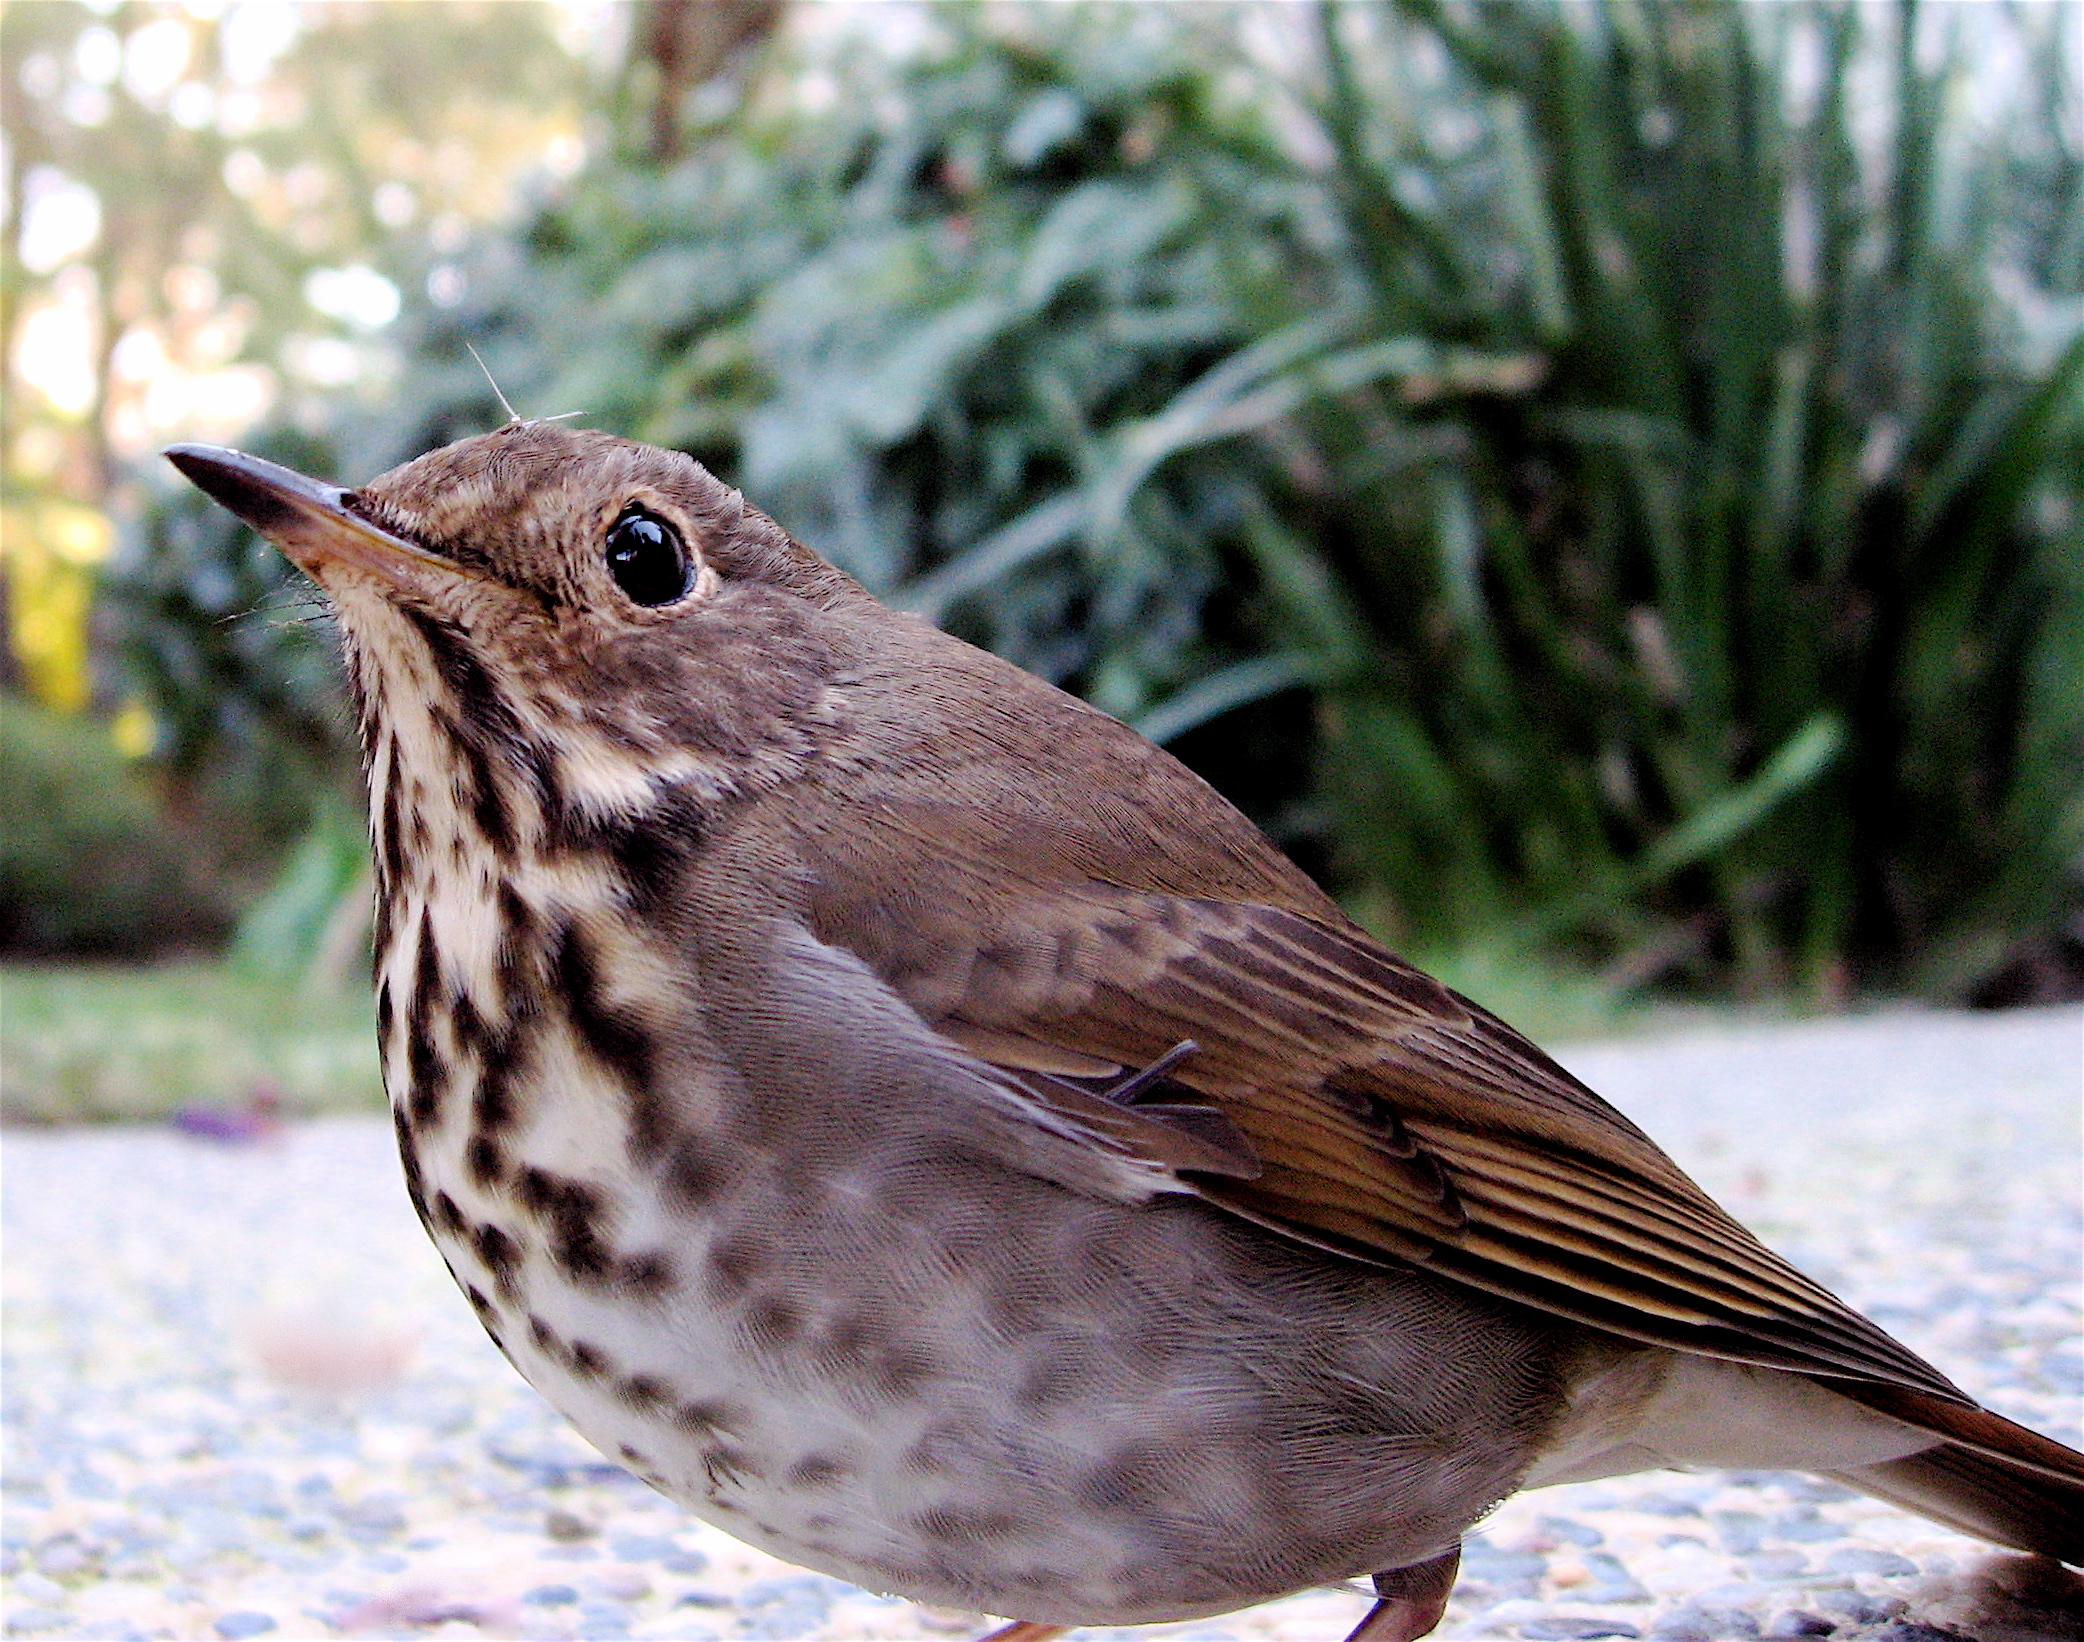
[(925, 1375)]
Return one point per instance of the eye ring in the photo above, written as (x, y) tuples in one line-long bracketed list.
[(647, 558)]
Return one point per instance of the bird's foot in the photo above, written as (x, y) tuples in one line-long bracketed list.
[(1409, 1601)]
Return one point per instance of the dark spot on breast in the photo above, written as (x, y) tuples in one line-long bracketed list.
[(545, 1341), (424, 1069), (645, 1391), (518, 953), (616, 1041), (478, 1302), (940, 1447), (467, 1028), (588, 1359), (408, 1156), (701, 1419), (647, 1275), (573, 1212), (846, 1344), (1059, 1375), (958, 1525), (492, 1106), (381, 925), (1136, 1479), (651, 854), (501, 1256), (630, 1454), (475, 719), (819, 1471), (772, 1322), (693, 1170), (727, 1464), (486, 1162), (446, 1214), (390, 835), (733, 1263), (900, 1372), (385, 1014)]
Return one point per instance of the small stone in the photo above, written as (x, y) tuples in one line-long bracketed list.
[(244, 1622), (1741, 1531), (1571, 1532), (702, 1599), (63, 1555), (24, 1620), (646, 1548), (1612, 1582), (370, 1520), (1860, 1609), (627, 1585), (685, 1562), (1701, 1624), (1571, 1628), (550, 1596), (1806, 1526), (1796, 1622), (1770, 1565), (567, 1527), (1863, 1559), (1916, 1633), (37, 1588)]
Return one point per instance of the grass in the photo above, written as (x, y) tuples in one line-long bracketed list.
[(105, 1044)]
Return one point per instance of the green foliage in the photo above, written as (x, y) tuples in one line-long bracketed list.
[(909, 324), (1748, 632), (1601, 479), (313, 923), (134, 1045), (87, 864)]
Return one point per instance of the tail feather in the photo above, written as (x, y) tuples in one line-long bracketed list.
[(1995, 1499), (1990, 1477), (1971, 1427)]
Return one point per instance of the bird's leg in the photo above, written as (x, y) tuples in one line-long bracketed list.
[(1023, 1630), (1409, 1601)]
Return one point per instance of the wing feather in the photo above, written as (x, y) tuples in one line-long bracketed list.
[(1375, 1112)]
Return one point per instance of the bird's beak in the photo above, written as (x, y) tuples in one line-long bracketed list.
[(311, 522)]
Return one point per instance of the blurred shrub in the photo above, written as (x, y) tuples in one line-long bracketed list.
[(1745, 628), (87, 863), (1602, 479)]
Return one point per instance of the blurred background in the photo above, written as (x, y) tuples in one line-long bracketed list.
[(1602, 484)]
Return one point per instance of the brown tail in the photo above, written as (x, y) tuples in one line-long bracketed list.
[(1990, 1477)]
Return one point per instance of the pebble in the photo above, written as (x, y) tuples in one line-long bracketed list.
[(184, 1457)]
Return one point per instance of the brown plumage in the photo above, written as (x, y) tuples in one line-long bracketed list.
[(915, 1121)]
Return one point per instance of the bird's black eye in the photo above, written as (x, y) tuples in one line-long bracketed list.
[(646, 558)]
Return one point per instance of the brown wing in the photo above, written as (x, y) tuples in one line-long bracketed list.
[(1380, 1115)]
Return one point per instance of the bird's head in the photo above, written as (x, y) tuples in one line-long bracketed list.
[(561, 607)]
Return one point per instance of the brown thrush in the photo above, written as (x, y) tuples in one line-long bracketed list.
[(913, 1121)]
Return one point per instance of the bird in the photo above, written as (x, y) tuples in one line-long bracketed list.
[(917, 1124)]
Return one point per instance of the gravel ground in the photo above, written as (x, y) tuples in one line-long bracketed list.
[(242, 1397)]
